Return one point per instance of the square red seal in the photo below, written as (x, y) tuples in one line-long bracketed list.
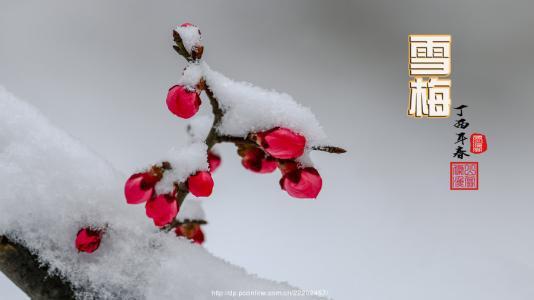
[(464, 175)]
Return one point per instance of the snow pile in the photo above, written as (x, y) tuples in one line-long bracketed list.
[(184, 161), (191, 75), (190, 36), (52, 186), (199, 127), (191, 210), (248, 108)]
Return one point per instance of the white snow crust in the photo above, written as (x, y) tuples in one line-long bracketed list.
[(191, 76), (191, 210), (185, 161), (190, 36), (199, 127), (248, 108)]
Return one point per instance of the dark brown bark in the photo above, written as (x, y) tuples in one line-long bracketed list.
[(24, 270)]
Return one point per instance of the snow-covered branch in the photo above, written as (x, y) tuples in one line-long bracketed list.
[(63, 222), (24, 270), (52, 186), (270, 130)]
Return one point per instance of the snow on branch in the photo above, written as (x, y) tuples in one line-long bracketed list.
[(52, 186)]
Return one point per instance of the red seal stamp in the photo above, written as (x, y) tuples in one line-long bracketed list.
[(478, 143), (464, 175)]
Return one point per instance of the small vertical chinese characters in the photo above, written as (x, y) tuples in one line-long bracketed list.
[(429, 67), (461, 124), (464, 175)]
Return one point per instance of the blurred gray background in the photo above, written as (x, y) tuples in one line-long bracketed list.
[(386, 225)]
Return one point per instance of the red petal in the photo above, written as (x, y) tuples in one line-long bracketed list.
[(306, 184), (162, 209), (199, 237), (214, 161), (268, 166), (255, 160), (183, 102), (283, 143), (139, 188), (200, 184), (88, 240), (288, 167)]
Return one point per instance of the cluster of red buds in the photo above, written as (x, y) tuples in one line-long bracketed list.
[(281, 147), (260, 152), (278, 147), (162, 209)]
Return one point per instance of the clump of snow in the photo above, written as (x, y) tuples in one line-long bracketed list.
[(248, 108), (191, 76), (191, 210), (52, 186), (199, 127), (184, 161), (305, 160), (190, 36)]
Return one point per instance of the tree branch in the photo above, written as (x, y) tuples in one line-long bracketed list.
[(249, 141), (213, 137), (24, 270), (235, 140)]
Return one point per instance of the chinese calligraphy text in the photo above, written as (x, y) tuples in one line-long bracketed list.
[(430, 68)]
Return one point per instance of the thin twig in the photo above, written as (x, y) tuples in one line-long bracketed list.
[(249, 141), (212, 137), (329, 149), (234, 140), (180, 48)]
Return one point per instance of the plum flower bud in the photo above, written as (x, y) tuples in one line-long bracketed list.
[(255, 160), (200, 184), (182, 101), (191, 231), (88, 240), (282, 143), (214, 161), (162, 209), (190, 36), (301, 182), (140, 187)]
